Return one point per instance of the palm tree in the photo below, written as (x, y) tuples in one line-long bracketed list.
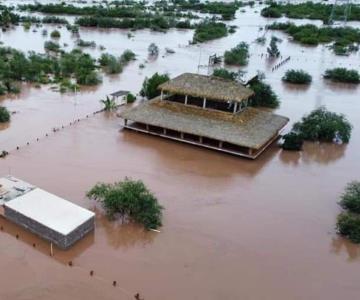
[(109, 104)]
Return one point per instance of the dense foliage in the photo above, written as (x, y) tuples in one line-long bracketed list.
[(273, 50), (310, 10), (264, 95), (297, 77), (209, 30), (292, 141), (323, 125), (150, 85), (4, 115), (226, 74), (129, 199), (342, 75), (344, 39), (115, 65), (238, 55), (350, 199), (15, 66)]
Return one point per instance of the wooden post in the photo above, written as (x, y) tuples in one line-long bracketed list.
[(200, 139), (51, 249), (147, 127), (164, 131), (182, 135), (125, 122), (161, 95), (204, 103), (220, 144), (186, 99)]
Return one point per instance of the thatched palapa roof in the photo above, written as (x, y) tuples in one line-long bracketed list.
[(209, 87), (251, 128)]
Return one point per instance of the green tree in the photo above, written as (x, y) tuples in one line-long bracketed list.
[(109, 104), (350, 199), (273, 50), (297, 77), (264, 95), (348, 225), (130, 200), (238, 55), (150, 85), (4, 115)]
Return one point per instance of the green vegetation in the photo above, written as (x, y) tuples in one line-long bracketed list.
[(130, 98), (109, 104), (15, 66), (238, 55), (209, 30), (310, 10), (344, 39), (292, 141), (323, 125), (150, 85), (153, 49), (81, 43), (350, 199), (342, 75), (55, 34), (130, 200), (348, 222), (297, 77), (264, 95), (4, 115), (226, 74), (52, 46), (114, 65), (273, 50), (7, 18)]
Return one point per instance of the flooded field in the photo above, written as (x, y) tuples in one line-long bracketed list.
[(233, 228)]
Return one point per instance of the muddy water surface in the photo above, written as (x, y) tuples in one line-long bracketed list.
[(233, 228)]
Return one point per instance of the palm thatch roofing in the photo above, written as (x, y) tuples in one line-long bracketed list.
[(209, 87), (250, 128)]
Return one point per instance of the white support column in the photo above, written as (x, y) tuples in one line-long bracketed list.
[(164, 131), (235, 107), (182, 135), (147, 127), (220, 144), (161, 95), (200, 139), (204, 103), (186, 99)]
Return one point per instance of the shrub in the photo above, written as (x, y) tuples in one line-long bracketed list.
[(4, 115), (51, 46), (264, 95), (292, 141), (348, 225), (342, 75), (82, 43), (273, 50), (270, 12), (209, 30), (130, 98), (350, 200), (323, 125), (297, 77), (238, 55), (127, 56), (149, 87), (226, 74), (129, 199), (153, 49), (55, 34)]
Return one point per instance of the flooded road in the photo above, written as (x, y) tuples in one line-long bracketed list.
[(233, 228)]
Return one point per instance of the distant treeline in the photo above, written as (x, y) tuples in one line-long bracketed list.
[(310, 10)]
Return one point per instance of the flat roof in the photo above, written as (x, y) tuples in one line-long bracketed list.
[(51, 211), (119, 93), (250, 128), (209, 87), (11, 187)]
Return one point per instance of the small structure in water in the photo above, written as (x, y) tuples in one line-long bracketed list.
[(55, 219), (207, 111), (120, 97)]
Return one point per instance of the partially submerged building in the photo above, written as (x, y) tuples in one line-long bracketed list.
[(207, 111), (48, 216)]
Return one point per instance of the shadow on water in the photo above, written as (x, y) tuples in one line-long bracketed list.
[(339, 245), (38, 244), (174, 154), (121, 234), (322, 153)]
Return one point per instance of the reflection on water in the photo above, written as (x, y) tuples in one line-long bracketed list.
[(38, 244), (322, 153), (339, 245)]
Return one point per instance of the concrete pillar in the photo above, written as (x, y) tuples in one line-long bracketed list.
[(200, 139), (220, 144), (164, 131), (182, 135), (235, 107), (147, 127), (186, 99), (204, 103), (161, 95)]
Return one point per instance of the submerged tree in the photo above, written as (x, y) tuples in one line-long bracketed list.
[(4, 115), (350, 200), (226, 74), (264, 95), (238, 55), (273, 50), (150, 85), (153, 49), (297, 77), (130, 200)]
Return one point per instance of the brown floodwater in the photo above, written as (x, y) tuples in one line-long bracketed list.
[(233, 228)]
